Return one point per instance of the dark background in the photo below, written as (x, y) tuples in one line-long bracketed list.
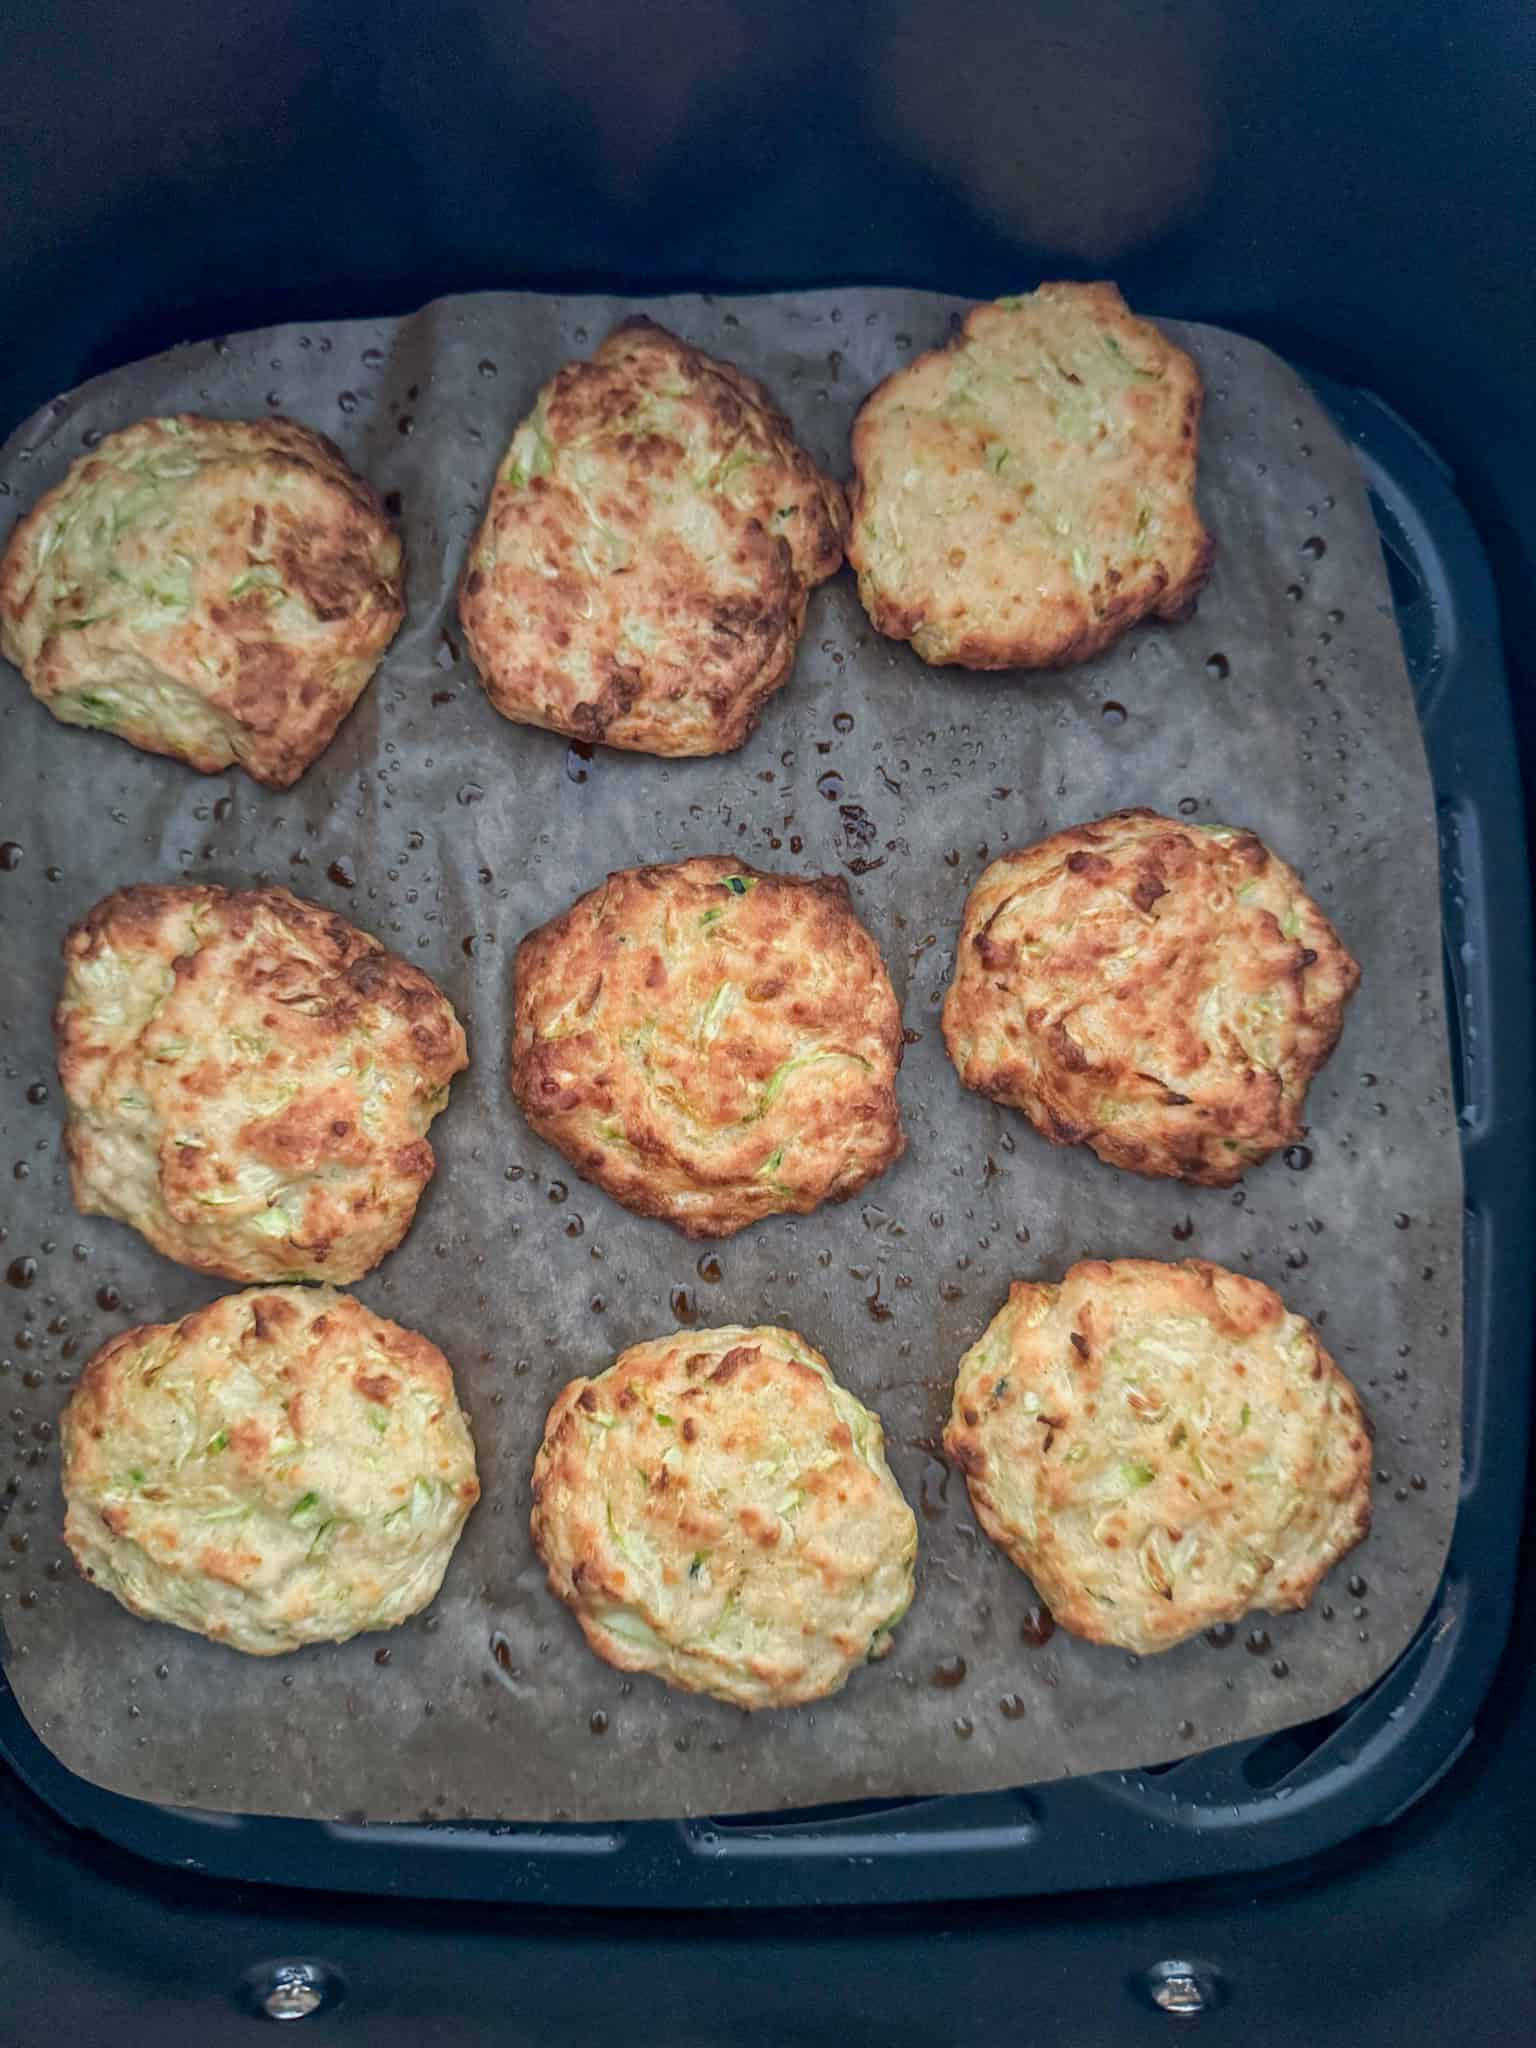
[(1355, 185)]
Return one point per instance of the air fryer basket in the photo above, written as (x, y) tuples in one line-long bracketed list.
[(1224, 1811)]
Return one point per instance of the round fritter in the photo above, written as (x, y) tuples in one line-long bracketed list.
[(283, 1467), (717, 1510), (1160, 1448), (218, 590), (250, 1080), (1159, 991), (1024, 495), (640, 577), (710, 1044)]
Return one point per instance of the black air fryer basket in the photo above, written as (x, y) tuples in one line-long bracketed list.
[(1354, 187)]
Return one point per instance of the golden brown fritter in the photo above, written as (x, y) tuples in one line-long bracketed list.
[(1024, 495), (1162, 992), (250, 1080), (1160, 1448), (717, 1510), (218, 590), (640, 577), (710, 1044), (283, 1467)]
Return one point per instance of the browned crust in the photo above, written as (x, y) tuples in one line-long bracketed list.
[(1055, 630), (549, 636), (1189, 1101), (301, 1360), (1244, 1310), (696, 1411), (311, 998), (288, 699), (698, 1133), (308, 1362)]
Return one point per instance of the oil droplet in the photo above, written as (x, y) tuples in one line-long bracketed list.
[(577, 755), (1417, 1481), (487, 367), (1314, 547), (1185, 1731), (1335, 618), (1298, 1157), (1113, 713), (1218, 667), (1296, 1258), (949, 1672), (1358, 1587), (468, 946), (347, 401), (405, 424), (223, 807), (964, 1727), (597, 1304), (342, 874), (38, 1092), (470, 793), (21, 1272), (381, 1657), (1293, 593), (1037, 1627), (830, 785), (557, 1191), (709, 1268), (1279, 1669), (842, 721), (11, 856), (1222, 1636), (684, 1307), (574, 1226), (911, 1037), (1401, 1220), (1184, 1231), (501, 1650), (598, 1722), (108, 1298), (1188, 805), (372, 358), (1257, 1642), (1011, 1707)]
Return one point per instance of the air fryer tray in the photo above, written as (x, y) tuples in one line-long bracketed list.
[(1284, 705)]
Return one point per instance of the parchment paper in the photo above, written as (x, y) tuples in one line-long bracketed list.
[(1283, 705)]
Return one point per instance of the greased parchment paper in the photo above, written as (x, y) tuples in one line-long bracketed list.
[(1284, 705)]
